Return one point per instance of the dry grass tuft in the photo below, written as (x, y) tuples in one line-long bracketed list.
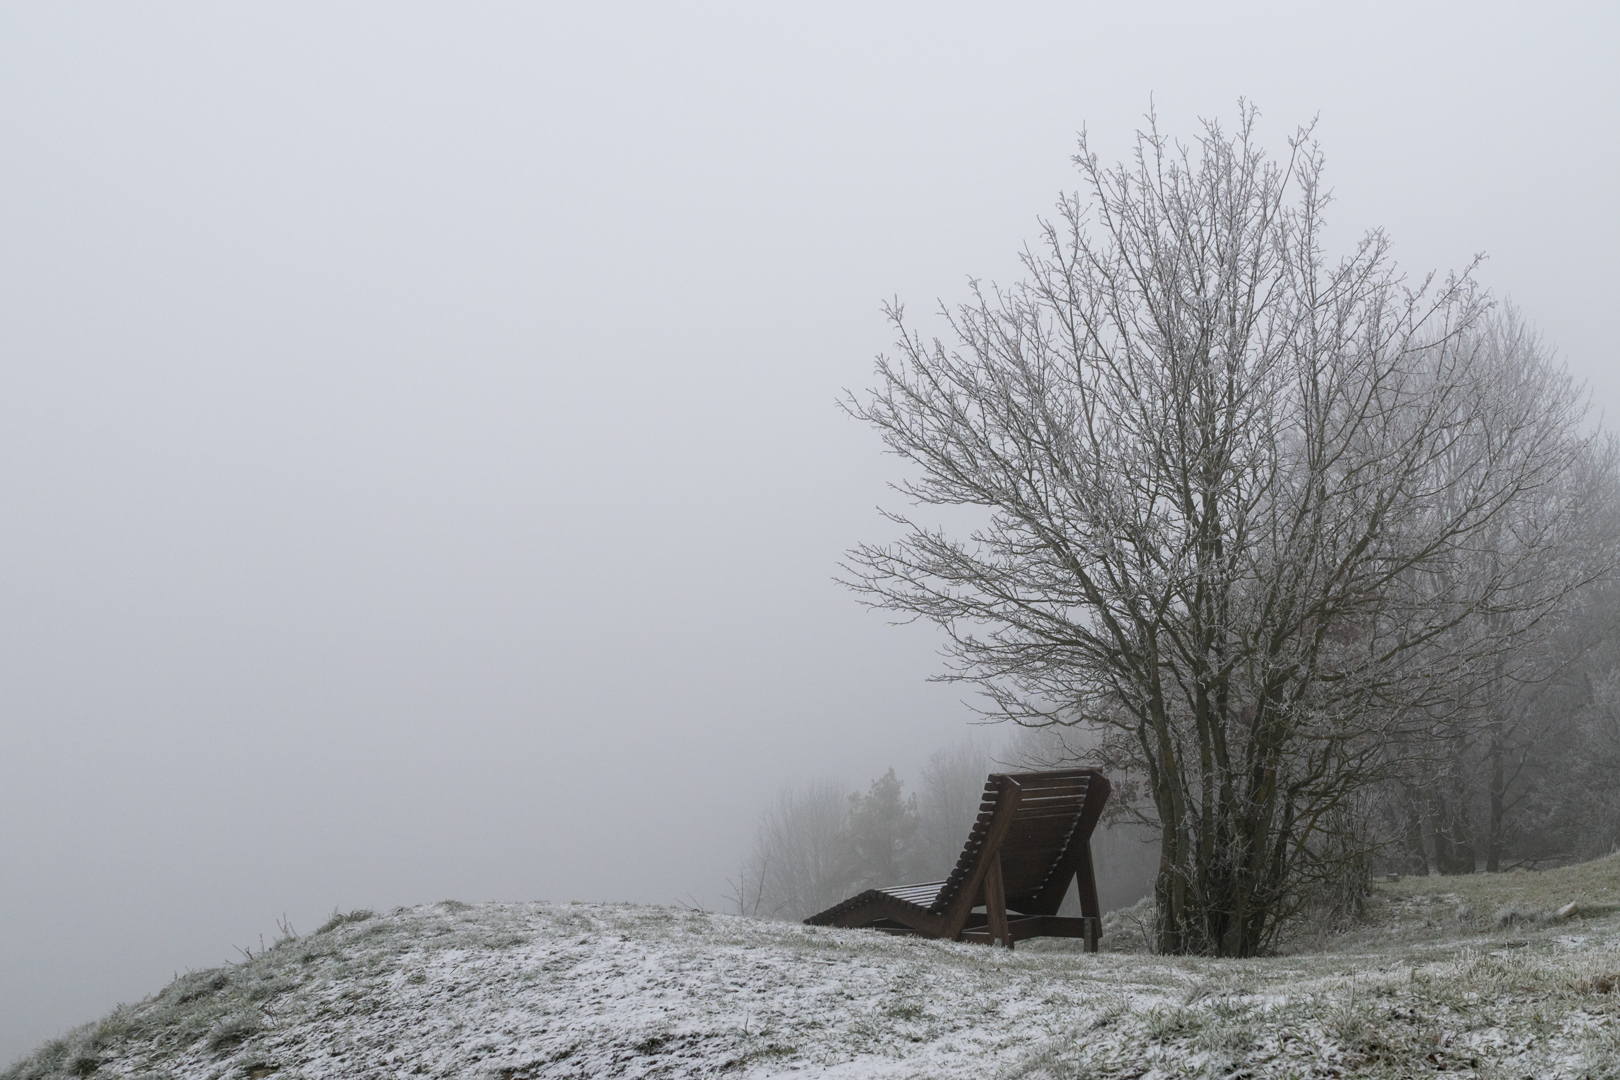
[(1598, 984)]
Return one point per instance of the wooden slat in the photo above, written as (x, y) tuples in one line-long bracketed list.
[(1075, 792), (1053, 806), (1069, 803), (1044, 788), (1070, 814), (922, 893), (1063, 798), (1058, 798), (919, 886), (1036, 781), (1056, 787)]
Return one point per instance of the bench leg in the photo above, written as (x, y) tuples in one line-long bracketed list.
[(995, 904), (1085, 880)]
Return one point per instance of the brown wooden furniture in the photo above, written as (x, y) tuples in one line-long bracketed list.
[(1032, 836)]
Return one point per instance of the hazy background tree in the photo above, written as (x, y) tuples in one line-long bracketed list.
[(796, 865), (879, 841), (1591, 776), (821, 843), (1265, 514), (1532, 779), (948, 793)]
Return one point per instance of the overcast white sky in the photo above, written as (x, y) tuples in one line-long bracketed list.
[(418, 460)]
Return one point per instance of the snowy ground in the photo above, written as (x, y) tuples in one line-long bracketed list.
[(513, 991)]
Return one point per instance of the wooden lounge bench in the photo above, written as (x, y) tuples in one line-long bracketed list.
[(1032, 836)]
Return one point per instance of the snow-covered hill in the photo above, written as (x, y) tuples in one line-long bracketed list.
[(514, 991)]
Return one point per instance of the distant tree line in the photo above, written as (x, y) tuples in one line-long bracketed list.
[(1528, 774)]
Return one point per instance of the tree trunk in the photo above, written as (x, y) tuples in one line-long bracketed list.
[(1493, 842), (1416, 850)]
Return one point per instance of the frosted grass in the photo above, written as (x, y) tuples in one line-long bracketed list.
[(513, 991)]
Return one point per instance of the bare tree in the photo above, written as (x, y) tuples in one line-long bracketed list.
[(948, 794), (821, 843), (1233, 492), (796, 866)]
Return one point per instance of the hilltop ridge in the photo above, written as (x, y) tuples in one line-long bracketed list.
[(1445, 973)]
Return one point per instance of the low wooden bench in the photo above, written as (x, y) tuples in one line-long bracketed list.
[(1031, 838)]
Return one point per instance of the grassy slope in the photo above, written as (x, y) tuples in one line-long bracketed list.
[(1431, 982), (1595, 886)]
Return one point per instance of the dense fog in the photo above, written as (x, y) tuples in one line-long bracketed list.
[(421, 470)]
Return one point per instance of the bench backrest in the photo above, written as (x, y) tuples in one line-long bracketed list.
[(1043, 846)]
